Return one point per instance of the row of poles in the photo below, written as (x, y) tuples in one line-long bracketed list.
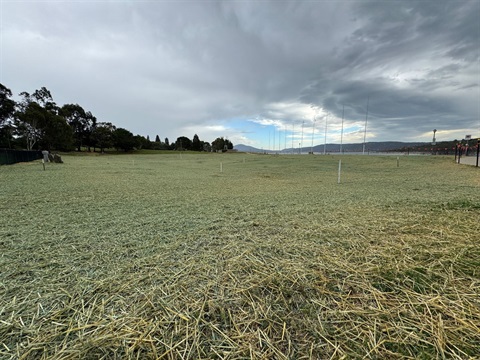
[(313, 133)]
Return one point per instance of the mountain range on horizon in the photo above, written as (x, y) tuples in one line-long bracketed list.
[(355, 147)]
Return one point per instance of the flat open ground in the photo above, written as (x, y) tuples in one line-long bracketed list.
[(164, 256)]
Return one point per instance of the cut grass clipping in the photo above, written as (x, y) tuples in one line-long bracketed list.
[(166, 257)]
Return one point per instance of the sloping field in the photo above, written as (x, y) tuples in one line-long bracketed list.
[(164, 256)]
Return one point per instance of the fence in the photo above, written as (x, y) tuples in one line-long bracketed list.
[(9, 156), (462, 150)]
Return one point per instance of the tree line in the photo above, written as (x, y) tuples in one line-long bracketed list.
[(37, 122)]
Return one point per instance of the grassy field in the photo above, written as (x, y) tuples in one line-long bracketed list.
[(164, 256)]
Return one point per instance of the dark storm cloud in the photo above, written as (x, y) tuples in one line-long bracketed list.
[(417, 61), (173, 67)]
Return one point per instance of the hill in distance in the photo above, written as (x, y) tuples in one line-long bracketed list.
[(369, 146)]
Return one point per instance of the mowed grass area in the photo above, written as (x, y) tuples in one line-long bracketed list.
[(164, 256)]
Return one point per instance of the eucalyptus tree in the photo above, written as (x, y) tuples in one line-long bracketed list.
[(124, 139), (221, 144), (7, 111), (36, 119), (102, 135), (82, 122), (196, 143), (183, 143)]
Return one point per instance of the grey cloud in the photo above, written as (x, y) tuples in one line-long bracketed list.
[(435, 39), (168, 66)]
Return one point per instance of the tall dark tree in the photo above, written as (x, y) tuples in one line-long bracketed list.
[(167, 143), (31, 120), (183, 143), (7, 111), (37, 121), (196, 143), (206, 146), (91, 125), (146, 143), (124, 139), (142, 142), (45, 99), (82, 123), (221, 144), (157, 139), (102, 135), (7, 105), (57, 135)]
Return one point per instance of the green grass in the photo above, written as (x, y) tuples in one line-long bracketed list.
[(164, 256)]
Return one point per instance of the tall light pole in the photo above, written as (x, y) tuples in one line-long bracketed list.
[(325, 144), (279, 139), (268, 140), (366, 119), (434, 142), (274, 138), (301, 143), (341, 134), (313, 132), (293, 134)]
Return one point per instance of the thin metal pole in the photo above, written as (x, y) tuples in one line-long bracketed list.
[(313, 132), (325, 144), (268, 141), (341, 134), (274, 138), (279, 139), (366, 120), (301, 143), (293, 134)]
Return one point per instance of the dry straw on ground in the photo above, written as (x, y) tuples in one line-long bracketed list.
[(161, 257)]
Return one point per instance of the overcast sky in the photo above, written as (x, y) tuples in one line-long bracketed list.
[(247, 70)]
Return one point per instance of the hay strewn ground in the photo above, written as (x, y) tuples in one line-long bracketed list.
[(162, 256)]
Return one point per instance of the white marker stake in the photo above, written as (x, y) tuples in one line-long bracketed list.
[(221, 167), (398, 161), (339, 170)]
